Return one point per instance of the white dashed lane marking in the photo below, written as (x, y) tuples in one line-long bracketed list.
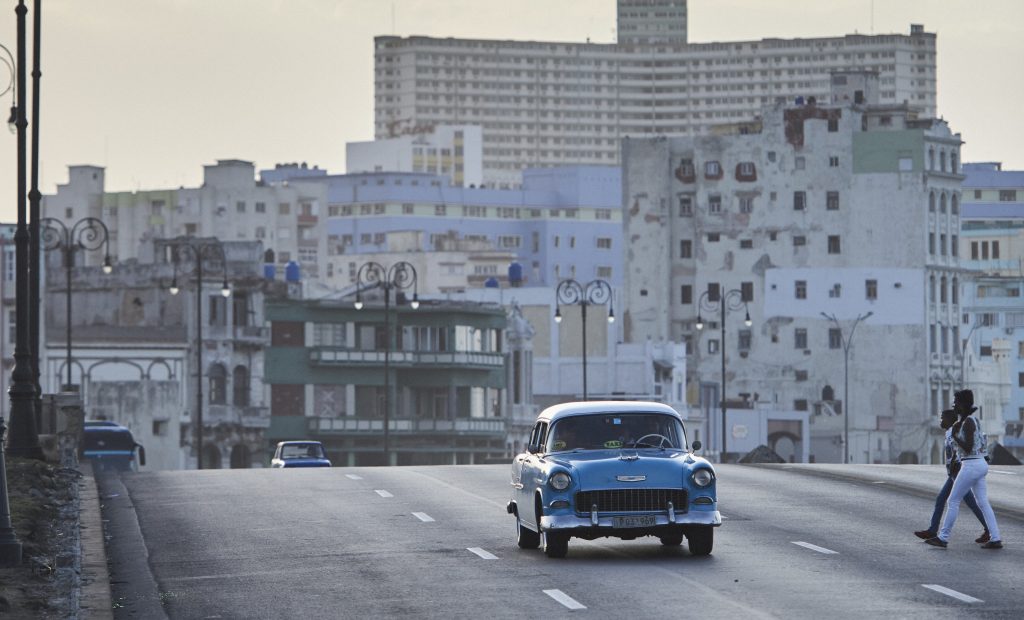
[(487, 555), (564, 599), (422, 516), (383, 493), (1005, 473), (960, 596), (353, 477), (807, 545)]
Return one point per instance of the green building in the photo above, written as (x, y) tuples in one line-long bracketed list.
[(333, 370)]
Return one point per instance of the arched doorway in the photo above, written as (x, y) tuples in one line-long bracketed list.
[(241, 458), (211, 457)]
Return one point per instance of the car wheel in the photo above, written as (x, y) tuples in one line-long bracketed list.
[(701, 540), (525, 537), (672, 540), (556, 544)]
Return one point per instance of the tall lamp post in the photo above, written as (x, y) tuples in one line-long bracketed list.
[(595, 292), (400, 276), (963, 353), (846, 340), (187, 251), (87, 234), (731, 300)]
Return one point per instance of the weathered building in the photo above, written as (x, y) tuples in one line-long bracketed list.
[(810, 211)]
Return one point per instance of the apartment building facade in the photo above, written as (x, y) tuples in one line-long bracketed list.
[(557, 103), (809, 213)]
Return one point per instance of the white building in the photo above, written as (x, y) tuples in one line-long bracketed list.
[(555, 103), (453, 152), (813, 210)]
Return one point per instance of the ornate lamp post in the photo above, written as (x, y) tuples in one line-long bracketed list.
[(596, 292), (846, 340), (399, 276), (963, 353), (731, 300), (191, 253), (87, 233)]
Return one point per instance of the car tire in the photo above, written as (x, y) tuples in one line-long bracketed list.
[(556, 544), (701, 540), (672, 540), (525, 537)]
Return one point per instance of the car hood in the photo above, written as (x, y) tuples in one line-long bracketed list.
[(307, 463), (612, 469)]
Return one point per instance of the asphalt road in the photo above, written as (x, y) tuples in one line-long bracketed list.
[(433, 542)]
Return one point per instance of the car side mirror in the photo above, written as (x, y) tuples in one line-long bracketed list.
[(697, 445), (142, 454)]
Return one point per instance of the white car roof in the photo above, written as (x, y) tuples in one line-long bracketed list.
[(606, 406)]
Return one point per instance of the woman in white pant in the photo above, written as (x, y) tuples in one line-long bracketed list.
[(971, 449)]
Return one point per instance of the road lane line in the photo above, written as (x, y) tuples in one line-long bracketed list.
[(353, 477), (953, 593), (383, 493), (564, 599), (878, 482), (815, 547), (422, 516), (487, 555), (1005, 473)]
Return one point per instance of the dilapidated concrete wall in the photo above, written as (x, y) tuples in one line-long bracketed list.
[(150, 409)]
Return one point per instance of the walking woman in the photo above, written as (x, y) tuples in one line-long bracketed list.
[(971, 449)]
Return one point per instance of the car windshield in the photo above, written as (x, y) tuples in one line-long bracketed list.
[(101, 438), (604, 431), (302, 451)]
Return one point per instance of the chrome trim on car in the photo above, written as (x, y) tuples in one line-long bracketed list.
[(704, 500), (631, 478), (671, 513), (569, 522), (593, 514)]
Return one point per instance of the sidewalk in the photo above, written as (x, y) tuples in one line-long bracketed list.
[(95, 601)]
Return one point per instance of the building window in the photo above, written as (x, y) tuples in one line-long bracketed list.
[(686, 294), (746, 171), (931, 243), (799, 163), (746, 244), (744, 339), (407, 209), (686, 248), (746, 204), (835, 338), (800, 289), (261, 207), (284, 208), (747, 291), (800, 375), (833, 244), (714, 204), (799, 240), (218, 378), (871, 289), (832, 201), (713, 237), (712, 170), (800, 338), (240, 386), (995, 250), (799, 201), (1007, 195), (686, 171), (713, 291), (942, 244), (833, 125), (800, 404), (974, 250), (685, 206), (440, 210), (604, 243), (833, 161), (240, 206)]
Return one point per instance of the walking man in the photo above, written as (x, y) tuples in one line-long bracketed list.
[(971, 449), (946, 421)]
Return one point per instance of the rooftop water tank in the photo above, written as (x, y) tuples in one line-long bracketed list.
[(515, 274), (291, 272), (491, 283)]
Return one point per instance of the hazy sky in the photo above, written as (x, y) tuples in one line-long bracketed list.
[(155, 89)]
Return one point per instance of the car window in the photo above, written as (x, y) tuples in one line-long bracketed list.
[(100, 438), (604, 431), (302, 451)]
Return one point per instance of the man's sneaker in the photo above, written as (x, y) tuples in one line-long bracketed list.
[(935, 541), (984, 538), (926, 534), (993, 544)]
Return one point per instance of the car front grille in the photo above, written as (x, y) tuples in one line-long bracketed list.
[(631, 500)]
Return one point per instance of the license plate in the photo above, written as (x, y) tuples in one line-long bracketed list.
[(637, 521)]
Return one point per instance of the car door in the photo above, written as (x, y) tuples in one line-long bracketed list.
[(532, 471)]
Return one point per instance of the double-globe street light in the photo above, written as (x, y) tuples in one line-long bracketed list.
[(845, 340), (400, 276), (595, 292), (191, 253), (87, 234), (730, 300), (963, 353)]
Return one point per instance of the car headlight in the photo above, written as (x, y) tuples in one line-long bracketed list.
[(703, 477), (559, 481)]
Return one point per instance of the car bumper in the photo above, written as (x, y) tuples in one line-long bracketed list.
[(571, 521)]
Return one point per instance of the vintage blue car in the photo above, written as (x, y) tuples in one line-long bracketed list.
[(614, 468), (300, 454)]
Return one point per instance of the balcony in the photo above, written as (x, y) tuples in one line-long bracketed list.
[(252, 334), (247, 417), (406, 426), (332, 356)]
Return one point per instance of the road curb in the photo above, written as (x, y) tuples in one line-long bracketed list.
[(95, 601), (1001, 508)]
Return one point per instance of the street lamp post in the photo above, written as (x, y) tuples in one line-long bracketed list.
[(88, 234), (963, 353), (596, 292), (846, 340), (191, 250), (731, 300), (399, 276)]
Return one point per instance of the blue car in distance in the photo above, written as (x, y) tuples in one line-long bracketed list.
[(300, 454), (617, 469), (111, 446)]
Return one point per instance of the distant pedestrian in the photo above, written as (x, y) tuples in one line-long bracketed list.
[(946, 421), (971, 449)]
